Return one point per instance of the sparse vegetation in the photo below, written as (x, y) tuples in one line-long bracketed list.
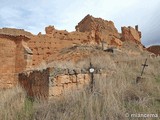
[(114, 95)]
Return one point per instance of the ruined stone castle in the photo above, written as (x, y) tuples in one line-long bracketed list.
[(22, 51)]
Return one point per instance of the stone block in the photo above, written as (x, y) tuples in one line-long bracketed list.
[(73, 78), (86, 78), (55, 91), (53, 81), (71, 72), (80, 78), (64, 79), (84, 71), (69, 87)]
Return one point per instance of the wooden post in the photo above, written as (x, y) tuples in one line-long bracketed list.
[(76, 77), (91, 71), (102, 45), (139, 78), (144, 65)]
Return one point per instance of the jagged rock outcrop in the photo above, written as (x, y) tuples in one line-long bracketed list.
[(154, 49), (104, 30), (131, 34)]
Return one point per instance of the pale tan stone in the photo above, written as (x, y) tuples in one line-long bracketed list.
[(55, 91)]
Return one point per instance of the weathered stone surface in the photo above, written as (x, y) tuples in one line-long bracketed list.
[(41, 84), (49, 29), (78, 71), (116, 42), (71, 72), (84, 71), (13, 59), (81, 78), (53, 81), (64, 79), (20, 50), (87, 78), (73, 78), (15, 32), (36, 83), (55, 91), (90, 31), (103, 29), (130, 34)]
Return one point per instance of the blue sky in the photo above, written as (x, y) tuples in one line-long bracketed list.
[(34, 15)]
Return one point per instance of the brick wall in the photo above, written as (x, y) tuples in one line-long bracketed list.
[(47, 47), (7, 62), (21, 61), (12, 60)]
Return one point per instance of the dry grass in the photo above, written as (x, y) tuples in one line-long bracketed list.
[(113, 96), (11, 102)]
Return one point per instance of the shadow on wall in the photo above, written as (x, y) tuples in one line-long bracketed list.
[(36, 83)]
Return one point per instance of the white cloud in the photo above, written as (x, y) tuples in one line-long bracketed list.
[(65, 14)]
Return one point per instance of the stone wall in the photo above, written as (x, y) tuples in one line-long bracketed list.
[(104, 30), (21, 60), (89, 31), (7, 62), (15, 32), (52, 46), (36, 83), (65, 80), (12, 60), (47, 47), (54, 81)]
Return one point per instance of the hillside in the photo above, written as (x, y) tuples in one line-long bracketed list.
[(116, 94), (92, 73)]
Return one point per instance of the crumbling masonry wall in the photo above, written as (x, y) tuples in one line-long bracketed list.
[(36, 83), (12, 59), (65, 80), (7, 63), (54, 81)]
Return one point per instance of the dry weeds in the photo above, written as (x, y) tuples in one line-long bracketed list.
[(114, 95)]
